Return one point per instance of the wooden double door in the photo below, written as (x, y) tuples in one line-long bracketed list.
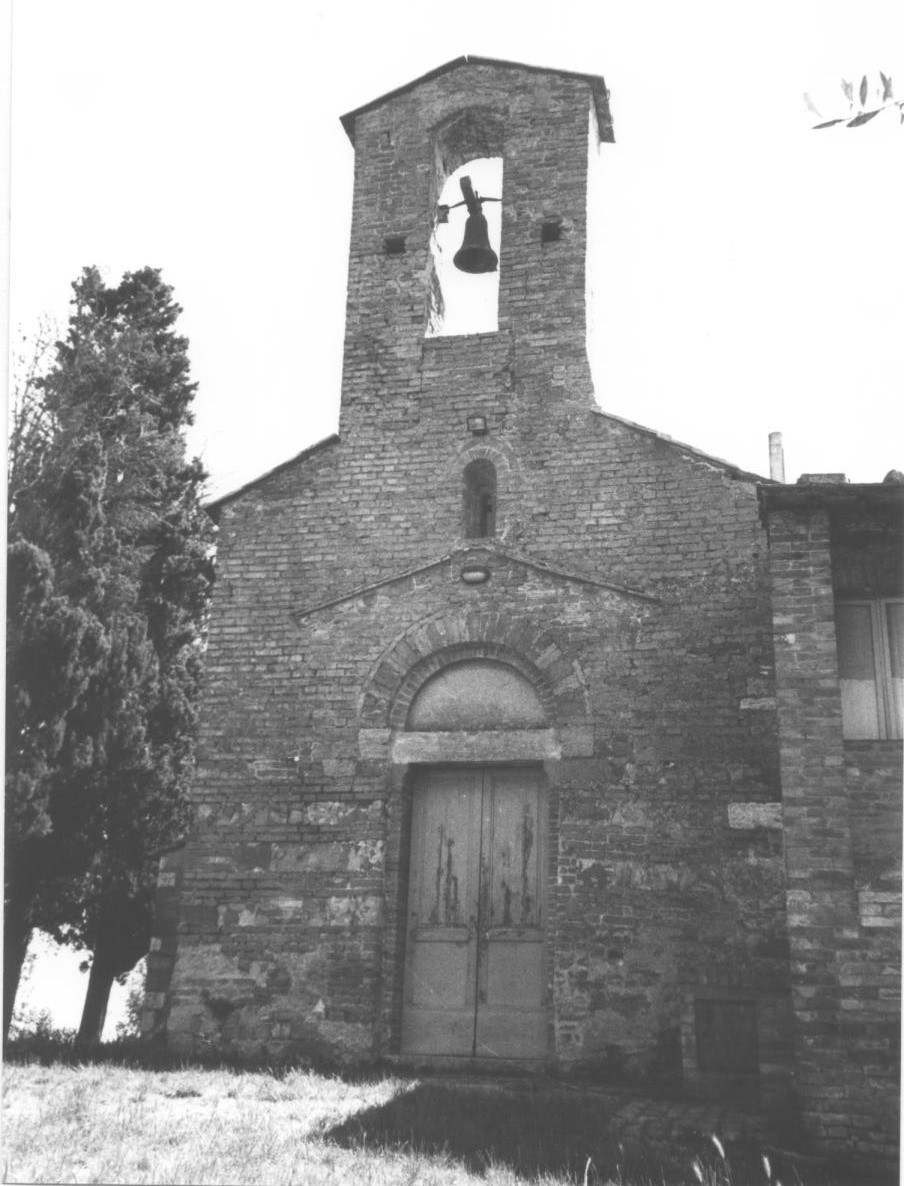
[(475, 964)]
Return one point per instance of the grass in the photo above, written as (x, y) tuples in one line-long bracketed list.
[(107, 1123)]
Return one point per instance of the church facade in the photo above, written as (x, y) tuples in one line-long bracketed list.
[(506, 756)]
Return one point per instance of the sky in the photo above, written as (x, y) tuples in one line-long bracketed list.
[(753, 269), (52, 985)]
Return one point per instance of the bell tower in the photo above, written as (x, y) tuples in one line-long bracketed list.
[(532, 133)]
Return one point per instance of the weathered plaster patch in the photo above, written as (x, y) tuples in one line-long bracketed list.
[(645, 875), (373, 744), (268, 770), (365, 854), (345, 1038), (308, 858), (577, 741), (338, 767), (348, 912), (628, 814), (328, 813), (206, 962), (745, 816), (334, 813), (289, 907), (879, 909)]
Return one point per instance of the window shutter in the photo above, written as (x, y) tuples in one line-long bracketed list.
[(857, 671), (894, 620)]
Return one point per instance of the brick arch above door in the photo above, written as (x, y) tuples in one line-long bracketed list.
[(443, 639)]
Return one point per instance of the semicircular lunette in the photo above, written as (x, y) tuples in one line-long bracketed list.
[(476, 694)]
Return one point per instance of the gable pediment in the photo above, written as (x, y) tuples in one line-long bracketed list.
[(474, 564)]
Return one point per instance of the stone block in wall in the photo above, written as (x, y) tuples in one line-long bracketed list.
[(747, 816)]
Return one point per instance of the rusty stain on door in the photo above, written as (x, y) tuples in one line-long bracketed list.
[(475, 967), (445, 908)]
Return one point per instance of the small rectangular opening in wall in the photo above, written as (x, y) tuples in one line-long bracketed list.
[(726, 1036), (551, 231), (394, 244)]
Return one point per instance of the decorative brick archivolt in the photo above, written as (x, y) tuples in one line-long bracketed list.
[(466, 134), (432, 664), (513, 488), (502, 456), (441, 639)]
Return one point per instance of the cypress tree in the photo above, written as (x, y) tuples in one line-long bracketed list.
[(119, 550)]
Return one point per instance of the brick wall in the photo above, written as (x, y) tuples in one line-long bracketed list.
[(873, 777), (840, 799)]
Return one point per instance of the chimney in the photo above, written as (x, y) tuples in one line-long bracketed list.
[(776, 457)]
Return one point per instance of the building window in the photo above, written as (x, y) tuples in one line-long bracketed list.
[(870, 640), (479, 509)]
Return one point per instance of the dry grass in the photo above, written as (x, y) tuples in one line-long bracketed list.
[(113, 1124)]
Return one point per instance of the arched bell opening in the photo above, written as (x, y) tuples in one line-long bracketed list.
[(466, 245), (462, 300)]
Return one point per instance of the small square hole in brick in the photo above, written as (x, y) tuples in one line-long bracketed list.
[(394, 244), (386, 139), (551, 231)]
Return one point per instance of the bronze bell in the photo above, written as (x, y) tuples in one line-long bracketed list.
[(475, 254)]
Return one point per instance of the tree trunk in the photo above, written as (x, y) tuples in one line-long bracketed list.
[(94, 1013), (16, 936)]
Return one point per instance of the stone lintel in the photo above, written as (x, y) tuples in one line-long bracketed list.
[(512, 745)]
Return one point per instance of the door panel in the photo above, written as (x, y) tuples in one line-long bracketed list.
[(475, 958), (441, 953), (511, 824), (511, 1009)]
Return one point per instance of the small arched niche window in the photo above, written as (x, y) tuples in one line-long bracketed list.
[(479, 501)]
